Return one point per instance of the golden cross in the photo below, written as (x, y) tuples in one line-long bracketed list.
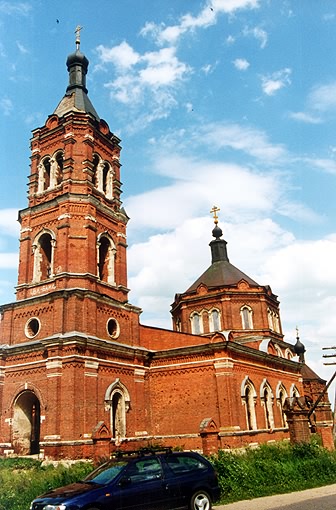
[(77, 32), (214, 211)]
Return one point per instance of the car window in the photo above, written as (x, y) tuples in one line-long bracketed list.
[(144, 470), (183, 463), (105, 473)]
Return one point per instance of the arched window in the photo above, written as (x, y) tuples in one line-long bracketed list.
[(246, 317), (288, 354), (117, 401), (103, 176), (50, 172), (43, 174), (56, 169), (214, 320), (266, 397), (106, 259), (294, 392), (278, 351), (281, 395), (43, 249), (196, 323), (273, 320), (249, 397)]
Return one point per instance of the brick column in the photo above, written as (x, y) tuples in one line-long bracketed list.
[(324, 424), (209, 434), (297, 412)]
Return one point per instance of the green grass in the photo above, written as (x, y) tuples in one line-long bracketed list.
[(267, 470), (22, 479), (273, 469)]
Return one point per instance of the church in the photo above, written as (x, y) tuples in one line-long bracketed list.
[(80, 376)]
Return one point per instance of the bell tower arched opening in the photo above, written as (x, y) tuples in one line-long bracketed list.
[(43, 257), (26, 424)]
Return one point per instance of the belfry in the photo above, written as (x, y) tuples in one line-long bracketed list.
[(79, 374)]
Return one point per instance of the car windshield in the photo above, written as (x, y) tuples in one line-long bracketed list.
[(105, 473)]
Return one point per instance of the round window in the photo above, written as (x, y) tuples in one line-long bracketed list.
[(112, 327), (32, 327)]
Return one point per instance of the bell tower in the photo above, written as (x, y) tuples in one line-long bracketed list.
[(72, 266)]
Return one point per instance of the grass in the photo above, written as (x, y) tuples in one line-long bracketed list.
[(273, 469), (267, 470), (22, 479)]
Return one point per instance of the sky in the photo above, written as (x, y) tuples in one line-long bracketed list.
[(218, 102)]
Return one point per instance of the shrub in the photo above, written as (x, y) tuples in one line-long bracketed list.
[(22, 479), (273, 469)]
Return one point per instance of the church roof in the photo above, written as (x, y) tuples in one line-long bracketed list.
[(221, 273), (308, 374), (76, 98)]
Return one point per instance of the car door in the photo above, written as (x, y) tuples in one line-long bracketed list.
[(187, 473), (143, 486)]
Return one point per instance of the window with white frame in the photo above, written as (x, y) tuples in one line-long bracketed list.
[(249, 398), (117, 401), (50, 172), (214, 320), (196, 323), (281, 395), (273, 320), (266, 396), (103, 176), (246, 317)]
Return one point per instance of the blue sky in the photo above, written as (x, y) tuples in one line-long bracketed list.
[(226, 102)]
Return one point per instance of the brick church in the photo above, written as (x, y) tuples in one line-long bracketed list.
[(79, 374)]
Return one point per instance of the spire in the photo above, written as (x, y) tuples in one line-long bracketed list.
[(218, 246), (76, 98)]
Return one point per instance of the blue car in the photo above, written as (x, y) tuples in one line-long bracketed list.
[(143, 480)]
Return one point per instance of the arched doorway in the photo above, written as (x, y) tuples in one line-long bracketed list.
[(26, 424)]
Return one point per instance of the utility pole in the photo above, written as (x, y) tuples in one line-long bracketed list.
[(331, 363)]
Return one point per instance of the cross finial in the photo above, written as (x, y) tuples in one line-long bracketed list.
[(77, 32), (297, 332), (214, 211)]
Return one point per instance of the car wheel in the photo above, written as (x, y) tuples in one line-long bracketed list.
[(200, 501)]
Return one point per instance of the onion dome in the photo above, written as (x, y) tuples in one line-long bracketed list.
[(76, 99)]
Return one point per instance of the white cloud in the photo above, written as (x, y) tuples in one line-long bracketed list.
[(258, 33), (276, 81), (241, 64), (21, 48), (150, 79), (320, 104), (13, 8), (8, 222), (155, 73), (188, 22), (243, 138), (304, 272), (327, 165), (305, 117), (9, 260), (6, 105), (122, 55), (323, 97)]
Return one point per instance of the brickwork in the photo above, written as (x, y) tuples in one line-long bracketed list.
[(79, 375)]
